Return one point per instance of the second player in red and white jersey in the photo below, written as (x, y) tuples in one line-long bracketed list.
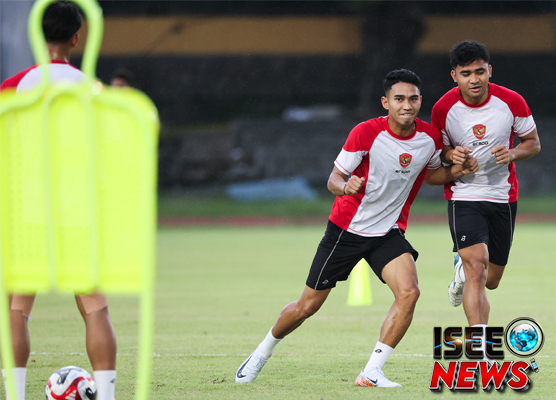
[(394, 168), (61, 22), (58, 71), (493, 122), (32, 187)]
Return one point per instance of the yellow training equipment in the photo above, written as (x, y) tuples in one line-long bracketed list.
[(78, 189)]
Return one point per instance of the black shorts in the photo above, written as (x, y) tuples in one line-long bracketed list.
[(339, 251), (473, 222)]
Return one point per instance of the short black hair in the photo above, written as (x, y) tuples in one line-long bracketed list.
[(61, 20), (125, 74), (466, 52), (400, 75)]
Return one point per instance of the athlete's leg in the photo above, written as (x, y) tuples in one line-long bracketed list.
[(475, 300), (333, 261), (100, 342), (20, 309), (400, 275), (494, 275), (291, 317), (100, 336), (295, 313), (501, 224)]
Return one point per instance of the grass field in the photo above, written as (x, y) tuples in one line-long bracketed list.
[(216, 203), (219, 290)]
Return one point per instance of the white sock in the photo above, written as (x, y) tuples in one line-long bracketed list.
[(267, 346), (20, 374), (106, 384), (461, 273), (378, 358), (482, 337)]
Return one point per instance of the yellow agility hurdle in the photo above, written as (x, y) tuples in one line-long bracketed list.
[(78, 169)]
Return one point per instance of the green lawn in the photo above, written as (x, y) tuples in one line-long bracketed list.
[(219, 290), (217, 204)]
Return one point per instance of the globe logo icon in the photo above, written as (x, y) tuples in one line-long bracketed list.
[(523, 337)]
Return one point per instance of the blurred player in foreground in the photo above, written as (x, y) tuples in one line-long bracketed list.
[(61, 22), (481, 119), (123, 78), (375, 178)]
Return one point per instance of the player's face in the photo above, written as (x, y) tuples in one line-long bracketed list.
[(472, 80), (120, 82), (403, 103)]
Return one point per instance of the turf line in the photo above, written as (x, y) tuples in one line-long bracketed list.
[(246, 355)]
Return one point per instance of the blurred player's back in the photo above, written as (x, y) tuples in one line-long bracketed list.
[(61, 22)]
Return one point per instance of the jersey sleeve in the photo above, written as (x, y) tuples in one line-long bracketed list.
[(353, 151), (438, 120), (523, 119), (435, 161), (13, 82), (9, 83), (523, 122)]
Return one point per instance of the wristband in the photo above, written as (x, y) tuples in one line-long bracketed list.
[(345, 184)]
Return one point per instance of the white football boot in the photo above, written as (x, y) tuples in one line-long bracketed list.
[(375, 378), (455, 290), (249, 370)]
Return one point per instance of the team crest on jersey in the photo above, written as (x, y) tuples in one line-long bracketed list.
[(405, 159), (479, 131)]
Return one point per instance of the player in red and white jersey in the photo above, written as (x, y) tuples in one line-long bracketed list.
[(392, 179), (481, 119), (480, 129), (59, 71), (375, 178), (61, 22)]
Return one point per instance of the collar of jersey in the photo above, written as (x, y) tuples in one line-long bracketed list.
[(56, 62), (475, 105), (396, 136)]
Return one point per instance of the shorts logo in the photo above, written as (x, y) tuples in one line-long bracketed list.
[(325, 282), (463, 238), (405, 159), (479, 131)]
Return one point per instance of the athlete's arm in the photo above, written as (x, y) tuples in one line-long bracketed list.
[(442, 175), (455, 155), (530, 146), (340, 185)]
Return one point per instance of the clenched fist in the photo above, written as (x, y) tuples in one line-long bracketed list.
[(501, 154), (353, 185), (459, 155)]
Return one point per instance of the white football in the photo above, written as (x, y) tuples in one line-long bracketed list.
[(71, 383)]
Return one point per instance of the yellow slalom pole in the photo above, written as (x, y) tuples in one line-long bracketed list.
[(6, 340), (360, 293), (117, 255)]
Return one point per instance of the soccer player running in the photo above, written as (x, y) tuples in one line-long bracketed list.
[(480, 118), (61, 22), (375, 178)]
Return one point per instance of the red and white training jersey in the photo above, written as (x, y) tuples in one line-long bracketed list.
[(32, 182), (494, 122), (394, 168), (59, 71)]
